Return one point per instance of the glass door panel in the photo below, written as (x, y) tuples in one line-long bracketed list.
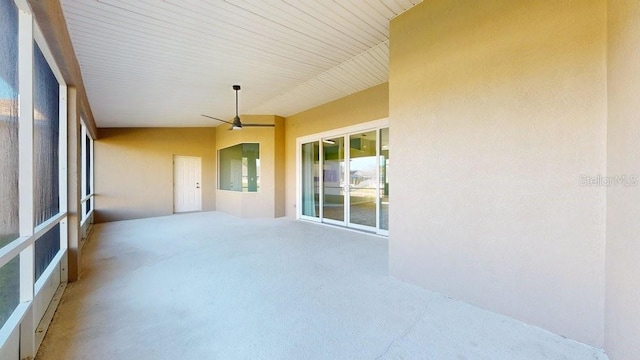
[(363, 179), (384, 179), (333, 176), (311, 179)]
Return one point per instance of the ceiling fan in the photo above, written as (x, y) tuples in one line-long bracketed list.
[(237, 124)]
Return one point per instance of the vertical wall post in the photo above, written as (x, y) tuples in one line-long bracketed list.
[(64, 177), (74, 190)]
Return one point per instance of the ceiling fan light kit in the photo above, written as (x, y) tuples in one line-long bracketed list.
[(237, 124)]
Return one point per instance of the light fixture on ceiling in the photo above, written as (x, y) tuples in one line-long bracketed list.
[(329, 141)]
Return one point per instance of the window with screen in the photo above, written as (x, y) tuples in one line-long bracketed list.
[(46, 134), (9, 205)]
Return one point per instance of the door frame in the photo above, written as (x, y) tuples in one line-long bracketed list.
[(347, 202), (199, 159), (345, 132)]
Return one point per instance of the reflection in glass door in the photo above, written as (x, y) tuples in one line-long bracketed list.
[(311, 179), (363, 179), (384, 179), (333, 179)]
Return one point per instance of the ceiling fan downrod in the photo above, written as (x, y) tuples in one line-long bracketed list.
[(237, 125)]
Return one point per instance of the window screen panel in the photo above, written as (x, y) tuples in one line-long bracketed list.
[(46, 97), (9, 203), (9, 288), (9, 226), (47, 247), (87, 173)]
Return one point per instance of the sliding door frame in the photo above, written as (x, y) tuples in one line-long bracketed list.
[(344, 132)]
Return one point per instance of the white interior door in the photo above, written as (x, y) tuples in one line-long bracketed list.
[(187, 189)]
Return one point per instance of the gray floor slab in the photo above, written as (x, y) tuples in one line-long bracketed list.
[(212, 286)]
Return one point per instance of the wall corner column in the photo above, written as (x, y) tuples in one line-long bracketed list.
[(280, 167)]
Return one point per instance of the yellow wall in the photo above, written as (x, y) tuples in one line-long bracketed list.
[(268, 200), (134, 170), (279, 167), (497, 108), (367, 105), (622, 337)]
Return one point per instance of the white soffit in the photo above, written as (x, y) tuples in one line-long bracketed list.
[(163, 63)]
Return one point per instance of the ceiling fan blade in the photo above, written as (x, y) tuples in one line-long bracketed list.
[(237, 124), (211, 117)]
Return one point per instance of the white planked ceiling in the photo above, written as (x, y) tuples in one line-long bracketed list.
[(163, 63)]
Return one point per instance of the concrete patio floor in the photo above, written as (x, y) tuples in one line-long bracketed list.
[(212, 286)]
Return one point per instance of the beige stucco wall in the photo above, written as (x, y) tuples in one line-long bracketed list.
[(279, 167), (268, 200), (134, 170), (497, 108), (367, 105), (622, 339)]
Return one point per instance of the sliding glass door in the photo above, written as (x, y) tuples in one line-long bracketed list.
[(343, 180), (363, 179), (311, 179), (383, 189), (333, 176)]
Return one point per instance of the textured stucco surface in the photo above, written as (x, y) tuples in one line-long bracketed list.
[(496, 109), (622, 339)]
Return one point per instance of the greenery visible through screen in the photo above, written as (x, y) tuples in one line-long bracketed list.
[(239, 168)]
